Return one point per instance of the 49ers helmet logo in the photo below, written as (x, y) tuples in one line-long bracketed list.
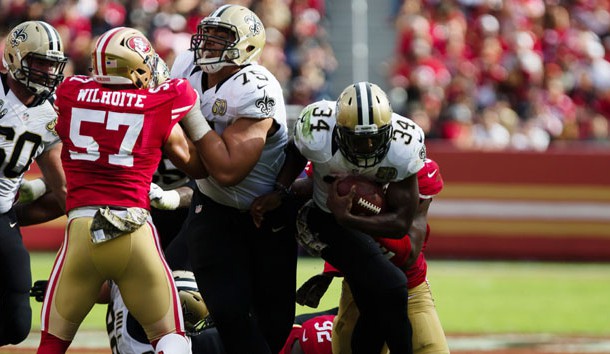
[(139, 44)]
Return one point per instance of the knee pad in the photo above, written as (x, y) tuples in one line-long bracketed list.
[(173, 343)]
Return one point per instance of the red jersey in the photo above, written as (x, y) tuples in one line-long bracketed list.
[(430, 184), (314, 336), (112, 139)]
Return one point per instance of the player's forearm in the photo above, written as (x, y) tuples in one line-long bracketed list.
[(55, 179), (293, 165), (43, 209), (186, 194), (194, 167), (418, 231)]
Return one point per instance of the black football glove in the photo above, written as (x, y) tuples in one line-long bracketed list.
[(310, 293), (37, 291)]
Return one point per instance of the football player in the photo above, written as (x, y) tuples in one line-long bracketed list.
[(34, 58), (407, 254), (311, 333), (114, 127), (244, 103), (360, 135), (170, 195)]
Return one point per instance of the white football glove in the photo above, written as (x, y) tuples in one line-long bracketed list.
[(164, 200), (31, 190)]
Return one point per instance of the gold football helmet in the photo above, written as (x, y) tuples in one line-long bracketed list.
[(34, 56), (364, 124), (123, 56), (194, 309), (231, 35)]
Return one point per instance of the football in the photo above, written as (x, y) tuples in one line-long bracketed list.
[(369, 198)]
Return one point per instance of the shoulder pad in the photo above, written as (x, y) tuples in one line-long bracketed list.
[(407, 148), (259, 95), (313, 131)]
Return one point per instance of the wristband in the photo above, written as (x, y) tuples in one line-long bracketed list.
[(38, 187), (195, 124), (32, 190)]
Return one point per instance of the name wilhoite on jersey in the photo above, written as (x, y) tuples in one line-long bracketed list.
[(114, 98)]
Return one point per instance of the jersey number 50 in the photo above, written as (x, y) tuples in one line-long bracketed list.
[(28, 141)]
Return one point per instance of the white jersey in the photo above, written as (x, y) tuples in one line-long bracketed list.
[(314, 137), (121, 340), (25, 133), (252, 92)]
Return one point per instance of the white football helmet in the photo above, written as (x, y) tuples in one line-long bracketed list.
[(194, 309), (31, 46), (123, 56), (364, 124), (214, 49)]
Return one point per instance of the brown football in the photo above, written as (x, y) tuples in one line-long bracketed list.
[(369, 198)]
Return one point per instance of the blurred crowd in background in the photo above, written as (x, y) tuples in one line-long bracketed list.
[(498, 74), (298, 51), (481, 74)]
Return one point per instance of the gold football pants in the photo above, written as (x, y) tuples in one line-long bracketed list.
[(428, 334), (133, 261)]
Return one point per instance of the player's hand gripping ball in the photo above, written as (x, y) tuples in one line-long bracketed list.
[(369, 198)]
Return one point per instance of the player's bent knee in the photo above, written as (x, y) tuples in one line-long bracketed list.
[(20, 332), (16, 331), (173, 343)]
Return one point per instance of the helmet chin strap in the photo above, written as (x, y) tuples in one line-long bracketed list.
[(214, 67), (211, 68)]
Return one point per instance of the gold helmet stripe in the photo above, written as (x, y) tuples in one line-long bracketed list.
[(54, 41), (102, 42)]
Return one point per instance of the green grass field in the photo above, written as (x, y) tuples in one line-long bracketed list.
[(474, 297)]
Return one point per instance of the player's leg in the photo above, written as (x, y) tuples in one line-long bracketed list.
[(378, 286), (177, 253), (220, 256), (73, 288), (429, 338), (148, 290), (124, 332), (15, 283), (275, 262), (343, 325)]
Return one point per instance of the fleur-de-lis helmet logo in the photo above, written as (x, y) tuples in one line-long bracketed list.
[(254, 25), (19, 36)]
